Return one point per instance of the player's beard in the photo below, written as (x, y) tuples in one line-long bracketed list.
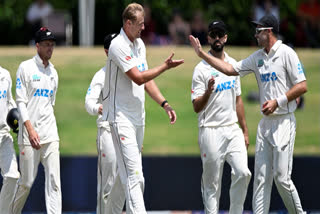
[(217, 48)]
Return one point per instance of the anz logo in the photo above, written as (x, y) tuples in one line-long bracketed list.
[(225, 86), (89, 90), (43, 93), (3, 94), (18, 83), (141, 67), (268, 77)]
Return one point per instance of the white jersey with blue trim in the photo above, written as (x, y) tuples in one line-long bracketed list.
[(220, 109), (6, 100), (126, 103), (95, 96), (36, 89), (275, 72)]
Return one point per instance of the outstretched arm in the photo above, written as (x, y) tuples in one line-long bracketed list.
[(218, 64), (154, 92), (142, 77)]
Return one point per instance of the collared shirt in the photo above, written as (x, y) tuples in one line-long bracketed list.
[(95, 97), (220, 109), (126, 102), (36, 88), (276, 72), (6, 100)]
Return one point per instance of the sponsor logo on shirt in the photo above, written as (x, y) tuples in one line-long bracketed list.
[(40, 92), (89, 90), (18, 83), (141, 67), (3, 94), (268, 77), (225, 86), (260, 62), (214, 73), (128, 58), (35, 78), (192, 91), (300, 68)]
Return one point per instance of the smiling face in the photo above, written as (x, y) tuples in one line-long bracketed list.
[(262, 35), (136, 26)]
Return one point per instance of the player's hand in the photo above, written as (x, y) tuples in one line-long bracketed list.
[(173, 63), (171, 113), (246, 140), (34, 139), (195, 44), (100, 109), (269, 107), (211, 84)]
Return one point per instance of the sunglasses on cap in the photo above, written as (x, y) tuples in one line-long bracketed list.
[(214, 34), (259, 29)]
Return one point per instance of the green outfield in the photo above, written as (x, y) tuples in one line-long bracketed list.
[(77, 129)]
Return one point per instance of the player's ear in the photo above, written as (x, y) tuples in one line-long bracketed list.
[(225, 39), (209, 39)]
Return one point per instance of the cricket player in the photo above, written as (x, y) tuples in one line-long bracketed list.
[(129, 77), (281, 80), (107, 164), (36, 88), (216, 98), (8, 161)]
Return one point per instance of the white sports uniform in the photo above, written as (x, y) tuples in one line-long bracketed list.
[(8, 161), (220, 138), (107, 164), (126, 116), (36, 88), (276, 73)]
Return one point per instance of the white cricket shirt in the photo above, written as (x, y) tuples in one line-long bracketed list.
[(126, 103), (95, 96), (275, 72), (6, 100), (220, 109), (36, 89)]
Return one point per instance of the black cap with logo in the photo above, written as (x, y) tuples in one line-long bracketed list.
[(44, 34), (268, 21), (217, 26)]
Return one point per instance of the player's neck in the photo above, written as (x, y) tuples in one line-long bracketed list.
[(270, 44)]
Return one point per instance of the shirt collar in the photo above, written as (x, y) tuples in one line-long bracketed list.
[(39, 61), (276, 46)]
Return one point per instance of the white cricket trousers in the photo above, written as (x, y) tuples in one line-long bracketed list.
[(129, 184), (9, 172), (29, 161), (273, 161), (217, 145), (107, 166)]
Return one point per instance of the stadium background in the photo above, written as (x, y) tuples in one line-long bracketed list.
[(171, 164)]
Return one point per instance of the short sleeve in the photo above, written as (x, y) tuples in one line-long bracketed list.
[(198, 84)]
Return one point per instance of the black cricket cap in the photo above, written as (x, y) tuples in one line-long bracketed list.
[(268, 21), (44, 34), (108, 39), (217, 25)]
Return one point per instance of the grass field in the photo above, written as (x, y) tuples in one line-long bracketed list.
[(77, 129)]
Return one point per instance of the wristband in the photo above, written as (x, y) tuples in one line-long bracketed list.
[(282, 101), (164, 102)]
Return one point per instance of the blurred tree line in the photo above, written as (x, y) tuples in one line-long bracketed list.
[(237, 14)]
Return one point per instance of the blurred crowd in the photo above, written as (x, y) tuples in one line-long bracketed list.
[(306, 20)]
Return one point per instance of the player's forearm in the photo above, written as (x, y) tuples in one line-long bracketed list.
[(241, 115), (154, 92), (218, 64), (150, 74), (297, 90), (200, 102)]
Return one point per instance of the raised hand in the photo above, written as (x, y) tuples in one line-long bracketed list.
[(195, 44), (173, 63)]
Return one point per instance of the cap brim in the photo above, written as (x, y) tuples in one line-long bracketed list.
[(256, 23)]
